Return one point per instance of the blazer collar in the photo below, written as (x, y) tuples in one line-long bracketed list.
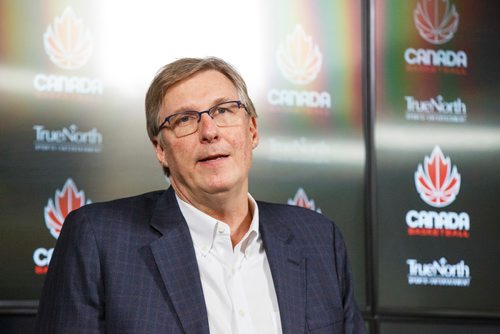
[(176, 261), (287, 265)]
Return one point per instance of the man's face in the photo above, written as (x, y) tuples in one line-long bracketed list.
[(214, 159)]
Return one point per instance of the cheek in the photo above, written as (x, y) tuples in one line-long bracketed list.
[(174, 153), (244, 147)]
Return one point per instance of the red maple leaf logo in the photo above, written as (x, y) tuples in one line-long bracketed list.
[(436, 20), (65, 201), (301, 200), (436, 181)]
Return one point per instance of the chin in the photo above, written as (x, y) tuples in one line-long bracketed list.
[(219, 185)]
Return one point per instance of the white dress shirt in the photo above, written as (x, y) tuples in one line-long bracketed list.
[(237, 283)]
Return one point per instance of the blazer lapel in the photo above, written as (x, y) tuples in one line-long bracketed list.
[(176, 260), (288, 270)]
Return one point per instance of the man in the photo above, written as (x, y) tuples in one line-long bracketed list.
[(202, 256)]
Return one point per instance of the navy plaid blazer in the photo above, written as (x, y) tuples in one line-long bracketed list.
[(129, 266)]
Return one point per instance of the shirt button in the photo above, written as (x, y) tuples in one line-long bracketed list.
[(241, 313), (220, 230)]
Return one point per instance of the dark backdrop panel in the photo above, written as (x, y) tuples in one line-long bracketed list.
[(437, 141), (73, 131), (17, 323)]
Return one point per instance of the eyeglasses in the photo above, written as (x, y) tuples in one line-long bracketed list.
[(186, 122)]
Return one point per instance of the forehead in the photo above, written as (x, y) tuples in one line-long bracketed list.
[(199, 91)]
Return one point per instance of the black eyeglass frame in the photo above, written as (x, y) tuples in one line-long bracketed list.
[(208, 111)]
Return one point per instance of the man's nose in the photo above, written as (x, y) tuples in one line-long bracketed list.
[(207, 128)]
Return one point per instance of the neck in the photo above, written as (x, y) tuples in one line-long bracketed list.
[(232, 208)]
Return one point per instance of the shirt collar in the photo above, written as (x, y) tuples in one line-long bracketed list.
[(252, 236), (203, 227)]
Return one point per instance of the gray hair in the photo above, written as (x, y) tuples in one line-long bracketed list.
[(181, 69)]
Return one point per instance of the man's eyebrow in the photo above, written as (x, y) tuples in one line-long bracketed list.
[(190, 108), (221, 99), (183, 108)]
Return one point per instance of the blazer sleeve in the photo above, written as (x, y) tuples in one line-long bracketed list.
[(353, 321), (72, 298)]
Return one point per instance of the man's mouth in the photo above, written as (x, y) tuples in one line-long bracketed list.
[(214, 157)]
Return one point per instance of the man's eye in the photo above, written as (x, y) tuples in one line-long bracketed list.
[(182, 120), (222, 110)]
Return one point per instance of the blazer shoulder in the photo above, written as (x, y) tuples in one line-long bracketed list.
[(139, 207), (137, 201)]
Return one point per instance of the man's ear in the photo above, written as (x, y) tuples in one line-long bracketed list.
[(160, 151), (254, 132)]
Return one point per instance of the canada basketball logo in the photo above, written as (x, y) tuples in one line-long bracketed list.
[(299, 59), (303, 201), (65, 201), (436, 20), (67, 43), (69, 46), (56, 210), (437, 182)]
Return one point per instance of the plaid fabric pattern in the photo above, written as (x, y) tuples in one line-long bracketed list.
[(310, 270), (128, 266)]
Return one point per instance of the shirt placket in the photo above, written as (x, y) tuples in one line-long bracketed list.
[(232, 261), (241, 311)]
